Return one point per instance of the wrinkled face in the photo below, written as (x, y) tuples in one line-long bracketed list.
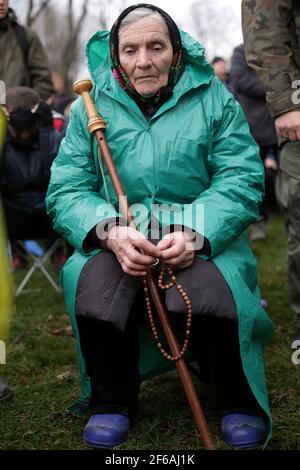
[(146, 54), (3, 8)]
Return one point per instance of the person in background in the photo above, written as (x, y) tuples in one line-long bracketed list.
[(251, 96), (23, 61), (31, 145), (221, 70), (272, 37), (61, 105)]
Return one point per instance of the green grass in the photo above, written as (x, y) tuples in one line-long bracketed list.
[(42, 369)]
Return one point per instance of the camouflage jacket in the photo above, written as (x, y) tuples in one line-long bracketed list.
[(271, 31)]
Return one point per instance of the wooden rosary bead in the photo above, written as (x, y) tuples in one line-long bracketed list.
[(150, 315)]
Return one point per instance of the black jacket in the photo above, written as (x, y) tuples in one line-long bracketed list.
[(251, 96), (25, 172)]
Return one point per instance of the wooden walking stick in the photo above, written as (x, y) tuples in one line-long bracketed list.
[(96, 126)]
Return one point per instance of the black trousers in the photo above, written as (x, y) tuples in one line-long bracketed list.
[(112, 362)]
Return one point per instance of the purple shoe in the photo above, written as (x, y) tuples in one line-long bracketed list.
[(106, 430), (263, 303), (244, 431)]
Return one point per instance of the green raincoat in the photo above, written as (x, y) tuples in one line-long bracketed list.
[(195, 150)]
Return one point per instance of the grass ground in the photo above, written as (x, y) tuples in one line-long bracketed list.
[(42, 369)]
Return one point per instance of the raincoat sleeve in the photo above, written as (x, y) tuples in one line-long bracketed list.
[(222, 212), (73, 200)]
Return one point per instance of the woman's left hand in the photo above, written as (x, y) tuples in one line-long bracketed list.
[(177, 250)]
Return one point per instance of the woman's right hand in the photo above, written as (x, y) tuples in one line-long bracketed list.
[(126, 243)]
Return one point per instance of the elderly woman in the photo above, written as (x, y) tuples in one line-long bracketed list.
[(177, 137)]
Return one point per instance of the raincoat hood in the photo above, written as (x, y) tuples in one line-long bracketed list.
[(99, 63)]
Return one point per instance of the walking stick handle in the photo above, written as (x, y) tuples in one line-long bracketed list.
[(83, 88)]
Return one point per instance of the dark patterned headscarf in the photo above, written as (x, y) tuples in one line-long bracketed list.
[(176, 69)]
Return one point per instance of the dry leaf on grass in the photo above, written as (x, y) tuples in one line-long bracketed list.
[(57, 317), (63, 376), (67, 330), (58, 331)]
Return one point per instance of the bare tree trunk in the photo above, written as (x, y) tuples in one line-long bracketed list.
[(32, 17), (69, 51), (29, 11), (104, 9), (63, 30), (103, 16), (213, 24)]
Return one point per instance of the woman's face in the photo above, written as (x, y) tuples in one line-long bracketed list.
[(146, 54)]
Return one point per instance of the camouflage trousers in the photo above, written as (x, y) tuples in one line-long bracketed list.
[(288, 195)]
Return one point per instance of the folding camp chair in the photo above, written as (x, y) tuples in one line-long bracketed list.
[(39, 260)]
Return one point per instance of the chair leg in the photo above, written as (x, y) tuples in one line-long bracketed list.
[(51, 250), (25, 280), (39, 263), (50, 279)]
